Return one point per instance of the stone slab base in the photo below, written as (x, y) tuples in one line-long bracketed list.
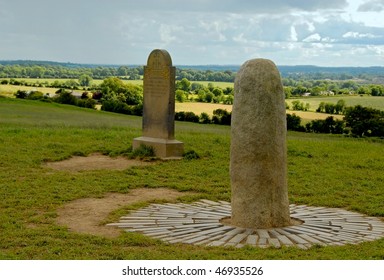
[(164, 148), (201, 223)]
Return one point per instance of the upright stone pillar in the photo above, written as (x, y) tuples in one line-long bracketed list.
[(258, 148), (159, 107)]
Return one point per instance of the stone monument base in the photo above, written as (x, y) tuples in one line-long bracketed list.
[(164, 148)]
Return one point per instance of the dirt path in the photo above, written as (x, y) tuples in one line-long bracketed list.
[(94, 162), (85, 215)]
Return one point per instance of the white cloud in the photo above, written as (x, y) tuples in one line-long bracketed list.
[(357, 35), (293, 34), (166, 33), (372, 6), (313, 38), (194, 32), (240, 39), (379, 50)]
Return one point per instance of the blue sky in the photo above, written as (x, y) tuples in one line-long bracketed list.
[(198, 32)]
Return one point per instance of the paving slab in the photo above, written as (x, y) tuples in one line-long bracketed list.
[(262, 233), (199, 223), (285, 240), (252, 239), (274, 242), (262, 242), (237, 239)]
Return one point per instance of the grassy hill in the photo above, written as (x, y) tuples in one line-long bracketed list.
[(323, 170)]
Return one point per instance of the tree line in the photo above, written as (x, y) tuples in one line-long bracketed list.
[(297, 80), (58, 71), (61, 72), (116, 96)]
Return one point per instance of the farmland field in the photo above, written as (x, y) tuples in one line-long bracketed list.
[(199, 107), (376, 102), (135, 82), (323, 170), (10, 90)]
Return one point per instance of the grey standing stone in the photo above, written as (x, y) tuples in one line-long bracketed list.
[(258, 148), (159, 107)]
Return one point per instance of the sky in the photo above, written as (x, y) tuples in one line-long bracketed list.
[(194, 32)]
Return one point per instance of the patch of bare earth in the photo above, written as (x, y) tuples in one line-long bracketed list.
[(94, 162), (85, 215)]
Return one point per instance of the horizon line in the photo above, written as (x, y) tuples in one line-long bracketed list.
[(176, 65)]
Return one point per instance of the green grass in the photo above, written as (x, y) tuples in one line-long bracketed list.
[(376, 102), (10, 90), (323, 170)]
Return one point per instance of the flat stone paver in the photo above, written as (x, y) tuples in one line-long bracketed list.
[(200, 223)]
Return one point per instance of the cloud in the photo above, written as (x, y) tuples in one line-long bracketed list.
[(240, 39), (357, 35), (230, 6), (194, 32), (166, 33), (372, 6), (293, 34)]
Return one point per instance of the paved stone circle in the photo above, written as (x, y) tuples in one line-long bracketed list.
[(200, 223)]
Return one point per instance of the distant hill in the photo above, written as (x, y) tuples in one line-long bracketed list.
[(305, 69), (283, 68), (55, 63), (375, 73)]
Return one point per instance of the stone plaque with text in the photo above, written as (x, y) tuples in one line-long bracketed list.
[(159, 106), (159, 96)]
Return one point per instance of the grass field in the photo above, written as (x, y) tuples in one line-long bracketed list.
[(376, 102), (9, 90), (323, 170)]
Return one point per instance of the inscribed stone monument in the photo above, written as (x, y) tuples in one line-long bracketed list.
[(159, 107), (258, 148)]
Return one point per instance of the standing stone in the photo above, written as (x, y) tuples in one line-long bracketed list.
[(159, 107), (258, 148)]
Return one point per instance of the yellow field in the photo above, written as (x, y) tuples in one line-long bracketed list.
[(195, 107), (198, 108), (11, 89)]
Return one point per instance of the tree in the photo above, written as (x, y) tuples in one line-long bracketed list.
[(217, 91), (196, 86), (85, 80), (180, 95), (340, 106), (66, 97), (298, 105), (221, 116), (184, 85), (376, 91), (365, 121), (363, 90), (294, 123), (209, 97), (22, 94), (329, 108), (114, 88), (204, 118), (287, 92), (36, 72), (122, 71), (229, 100), (321, 108)]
